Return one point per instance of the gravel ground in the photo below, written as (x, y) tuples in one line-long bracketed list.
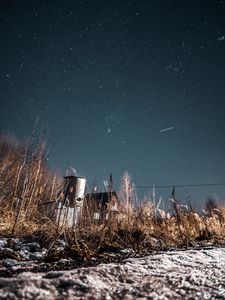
[(190, 274)]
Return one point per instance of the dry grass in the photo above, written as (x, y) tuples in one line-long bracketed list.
[(25, 181)]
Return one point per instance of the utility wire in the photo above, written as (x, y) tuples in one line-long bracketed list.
[(179, 186)]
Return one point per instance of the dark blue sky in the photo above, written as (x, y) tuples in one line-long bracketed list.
[(105, 77)]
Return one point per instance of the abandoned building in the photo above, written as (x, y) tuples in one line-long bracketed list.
[(103, 205)]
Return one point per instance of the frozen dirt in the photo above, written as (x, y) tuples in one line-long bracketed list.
[(190, 274)]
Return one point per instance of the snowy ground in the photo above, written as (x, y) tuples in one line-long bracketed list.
[(190, 274)]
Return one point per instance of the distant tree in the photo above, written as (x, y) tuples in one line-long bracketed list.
[(127, 192)]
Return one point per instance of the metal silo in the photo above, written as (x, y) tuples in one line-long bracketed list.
[(74, 189), (72, 198)]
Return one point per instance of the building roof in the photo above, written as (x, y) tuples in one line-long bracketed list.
[(102, 197)]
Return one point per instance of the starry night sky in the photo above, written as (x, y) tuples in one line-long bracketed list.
[(105, 78)]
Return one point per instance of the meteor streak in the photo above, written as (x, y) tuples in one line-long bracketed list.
[(166, 129)]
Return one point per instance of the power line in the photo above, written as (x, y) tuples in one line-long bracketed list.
[(179, 186)]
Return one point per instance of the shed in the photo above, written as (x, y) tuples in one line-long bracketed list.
[(102, 205)]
